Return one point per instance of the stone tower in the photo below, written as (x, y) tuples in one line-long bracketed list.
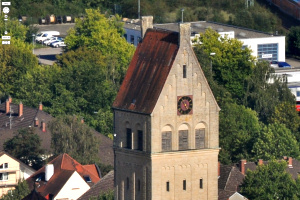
[(166, 123)]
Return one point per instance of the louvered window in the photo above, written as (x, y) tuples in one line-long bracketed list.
[(166, 141), (200, 138), (183, 139)]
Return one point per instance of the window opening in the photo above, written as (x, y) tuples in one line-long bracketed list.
[(127, 183), (129, 138), (168, 186), (184, 71), (166, 141), (200, 138), (201, 183), (184, 184), (140, 140), (183, 139), (139, 185)]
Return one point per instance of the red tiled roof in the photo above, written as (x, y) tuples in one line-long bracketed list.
[(64, 167), (146, 76), (92, 169)]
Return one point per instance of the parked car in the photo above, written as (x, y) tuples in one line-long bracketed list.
[(58, 44), (40, 37), (58, 40), (50, 40), (283, 64), (276, 64)]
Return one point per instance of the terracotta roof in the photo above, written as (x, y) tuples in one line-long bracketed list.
[(64, 167), (146, 76), (229, 181), (25, 121), (104, 185)]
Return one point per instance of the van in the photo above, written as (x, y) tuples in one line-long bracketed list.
[(40, 37)]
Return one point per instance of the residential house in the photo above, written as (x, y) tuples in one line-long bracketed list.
[(12, 171), (64, 178)]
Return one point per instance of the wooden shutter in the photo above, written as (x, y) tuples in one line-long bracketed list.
[(166, 141), (200, 138), (183, 139)]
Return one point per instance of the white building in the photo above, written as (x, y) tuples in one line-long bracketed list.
[(263, 45)]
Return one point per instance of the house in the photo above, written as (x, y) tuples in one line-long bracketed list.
[(106, 184), (16, 116), (12, 171), (64, 178), (264, 46), (166, 122)]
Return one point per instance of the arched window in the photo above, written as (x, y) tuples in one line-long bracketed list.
[(200, 136), (166, 139), (183, 135)]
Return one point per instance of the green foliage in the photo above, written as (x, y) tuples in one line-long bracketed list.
[(26, 146), (274, 141), (269, 182), (71, 136), (293, 41), (262, 96), (231, 64), (238, 128), (104, 196), (21, 191)]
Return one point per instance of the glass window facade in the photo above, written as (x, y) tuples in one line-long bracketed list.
[(267, 52)]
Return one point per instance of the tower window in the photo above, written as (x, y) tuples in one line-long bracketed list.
[(168, 186), (200, 138), (184, 184), (129, 138), (201, 183), (166, 141), (140, 140), (127, 183), (139, 185), (184, 71), (183, 139)]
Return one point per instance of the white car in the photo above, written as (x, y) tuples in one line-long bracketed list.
[(58, 44), (40, 37), (50, 40)]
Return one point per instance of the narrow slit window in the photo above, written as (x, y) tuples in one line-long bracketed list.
[(168, 186), (139, 185), (184, 184), (201, 183), (127, 183), (184, 71), (129, 138)]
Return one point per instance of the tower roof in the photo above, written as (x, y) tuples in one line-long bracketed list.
[(148, 71)]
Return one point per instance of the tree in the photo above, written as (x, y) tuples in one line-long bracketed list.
[(231, 64), (274, 141), (262, 95), (21, 191), (269, 182), (238, 128), (71, 136), (293, 42), (104, 196), (26, 146)]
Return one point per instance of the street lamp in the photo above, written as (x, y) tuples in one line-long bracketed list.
[(33, 35), (182, 9), (211, 54)]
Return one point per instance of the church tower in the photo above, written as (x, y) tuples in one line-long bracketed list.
[(166, 123)]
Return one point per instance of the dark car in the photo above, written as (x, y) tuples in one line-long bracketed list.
[(283, 64)]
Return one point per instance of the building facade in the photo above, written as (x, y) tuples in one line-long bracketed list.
[(166, 122)]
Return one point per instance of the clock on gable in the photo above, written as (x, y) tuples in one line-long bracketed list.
[(184, 105)]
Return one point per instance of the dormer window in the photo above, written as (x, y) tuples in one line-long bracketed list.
[(87, 179)]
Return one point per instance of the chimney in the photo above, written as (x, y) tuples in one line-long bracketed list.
[(290, 162), (184, 34), (242, 166), (9, 99), (36, 122), (20, 109), (40, 106), (146, 22), (7, 106), (219, 168), (43, 126), (260, 162), (49, 171), (284, 157), (82, 120)]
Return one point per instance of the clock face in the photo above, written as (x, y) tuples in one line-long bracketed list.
[(184, 105)]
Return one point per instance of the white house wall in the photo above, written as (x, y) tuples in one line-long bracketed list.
[(73, 189)]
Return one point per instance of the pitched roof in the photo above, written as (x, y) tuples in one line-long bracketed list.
[(148, 71), (34, 195), (104, 185), (64, 167), (19, 161), (25, 121)]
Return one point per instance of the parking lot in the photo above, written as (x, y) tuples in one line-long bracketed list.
[(47, 56)]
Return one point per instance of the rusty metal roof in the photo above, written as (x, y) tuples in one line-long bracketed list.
[(148, 71)]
